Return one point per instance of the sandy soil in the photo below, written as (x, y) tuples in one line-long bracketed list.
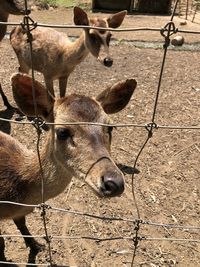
[(167, 185)]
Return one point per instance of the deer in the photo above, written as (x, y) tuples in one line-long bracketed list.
[(82, 151), (8, 7), (55, 56)]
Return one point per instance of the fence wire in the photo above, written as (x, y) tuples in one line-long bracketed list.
[(167, 31), (171, 29)]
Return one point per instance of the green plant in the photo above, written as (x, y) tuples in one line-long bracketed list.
[(50, 2), (65, 3)]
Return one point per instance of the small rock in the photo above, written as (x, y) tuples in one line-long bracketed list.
[(177, 40), (183, 23)]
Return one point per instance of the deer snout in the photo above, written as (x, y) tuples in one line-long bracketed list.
[(111, 185), (108, 62)]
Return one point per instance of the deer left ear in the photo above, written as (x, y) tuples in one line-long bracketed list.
[(80, 17), (114, 21), (23, 95), (115, 98)]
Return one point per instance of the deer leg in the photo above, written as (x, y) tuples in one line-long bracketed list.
[(30, 242), (49, 87), (23, 67), (2, 248), (5, 99), (62, 86)]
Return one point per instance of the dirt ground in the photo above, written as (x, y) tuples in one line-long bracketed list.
[(167, 185)]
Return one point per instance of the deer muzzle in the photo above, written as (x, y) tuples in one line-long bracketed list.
[(105, 178)]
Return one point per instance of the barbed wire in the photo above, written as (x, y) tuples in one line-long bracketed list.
[(166, 32)]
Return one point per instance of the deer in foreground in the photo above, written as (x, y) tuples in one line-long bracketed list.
[(7, 7), (55, 56), (81, 151)]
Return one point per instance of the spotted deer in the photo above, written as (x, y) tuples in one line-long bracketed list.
[(55, 56), (81, 151), (7, 7)]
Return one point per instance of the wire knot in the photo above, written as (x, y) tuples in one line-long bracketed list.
[(137, 224), (48, 239), (43, 207), (136, 238), (170, 29), (149, 127), (38, 123), (28, 25)]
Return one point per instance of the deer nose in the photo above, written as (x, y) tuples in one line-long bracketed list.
[(111, 186), (108, 62), (25, 12)]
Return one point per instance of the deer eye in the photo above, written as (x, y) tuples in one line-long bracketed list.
[(63, 133), (95, 39)]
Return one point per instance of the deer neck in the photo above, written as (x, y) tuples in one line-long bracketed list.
[(77, 51), (54, 175)]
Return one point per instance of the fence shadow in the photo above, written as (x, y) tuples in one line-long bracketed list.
[(5, 126)]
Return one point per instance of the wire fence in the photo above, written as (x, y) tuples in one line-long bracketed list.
[(188, 10), (167, 31)]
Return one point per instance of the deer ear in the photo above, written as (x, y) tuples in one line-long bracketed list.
[(115, 98), (114, 21), (80, 17), (22, 93)]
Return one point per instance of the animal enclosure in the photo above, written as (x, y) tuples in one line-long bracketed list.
[(166, 185)]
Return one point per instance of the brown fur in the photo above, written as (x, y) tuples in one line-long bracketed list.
[(82, 151)]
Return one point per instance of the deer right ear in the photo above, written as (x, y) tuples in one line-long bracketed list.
[(114, 21), (116, 97), (22, 93), (80, 17)]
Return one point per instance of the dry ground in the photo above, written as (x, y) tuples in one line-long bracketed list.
[(167, 187)]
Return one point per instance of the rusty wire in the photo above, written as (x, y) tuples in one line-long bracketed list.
[(121, 29), (166, 32), (105, 239), (101, 217), (115, 125)]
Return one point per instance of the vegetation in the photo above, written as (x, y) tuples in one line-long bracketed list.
[(64, 3)]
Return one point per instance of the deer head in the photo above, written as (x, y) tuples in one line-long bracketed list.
[(97, 41), (82, 150)]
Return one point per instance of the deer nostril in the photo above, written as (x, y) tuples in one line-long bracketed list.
[(108, 62), (111, 187)]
